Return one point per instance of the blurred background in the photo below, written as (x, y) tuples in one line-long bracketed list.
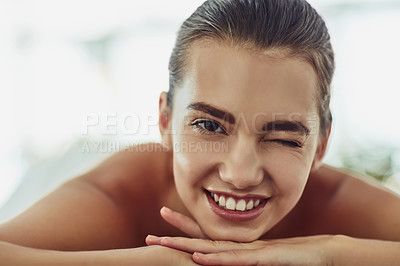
[(80, 80)]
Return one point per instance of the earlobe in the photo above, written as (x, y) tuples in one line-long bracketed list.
[(163, 120)]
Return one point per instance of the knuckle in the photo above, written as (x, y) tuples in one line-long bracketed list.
[(235, 252), (215, 244)]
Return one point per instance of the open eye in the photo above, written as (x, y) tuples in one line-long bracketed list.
[(208, 126)]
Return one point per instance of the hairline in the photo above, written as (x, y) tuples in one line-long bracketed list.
[(274, 52)]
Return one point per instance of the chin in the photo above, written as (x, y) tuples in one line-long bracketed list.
[(234, 234)]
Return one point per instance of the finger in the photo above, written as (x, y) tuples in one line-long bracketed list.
[(232, 257), (153, 240), (295, 240), (182, 222), (204, 245), (270, 255)]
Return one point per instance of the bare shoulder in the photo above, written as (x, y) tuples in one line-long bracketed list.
[(340, 202), (100, 209), (133, 172), (354, 206)]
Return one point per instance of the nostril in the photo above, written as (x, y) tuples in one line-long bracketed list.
[(241, 175), (246, 182), (259, 176)]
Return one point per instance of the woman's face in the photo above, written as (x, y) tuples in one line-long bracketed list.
[(244, 137)]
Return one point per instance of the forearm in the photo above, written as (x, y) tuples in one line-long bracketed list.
[(14, 255), (356, 251)]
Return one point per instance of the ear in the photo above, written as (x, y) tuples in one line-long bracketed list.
[(164, 119), (321, 149)]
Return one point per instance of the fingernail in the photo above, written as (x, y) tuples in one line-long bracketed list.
[(151, 237), (198, 254), (165, 209)]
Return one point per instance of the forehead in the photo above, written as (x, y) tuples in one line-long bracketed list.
[(243, 81)]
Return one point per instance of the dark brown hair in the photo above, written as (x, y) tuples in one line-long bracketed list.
[(292, 26)]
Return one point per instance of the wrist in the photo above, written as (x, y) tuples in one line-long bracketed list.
[(346, 250), (338, 249)]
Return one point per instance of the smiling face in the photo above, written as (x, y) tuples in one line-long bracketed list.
[(245, 136)]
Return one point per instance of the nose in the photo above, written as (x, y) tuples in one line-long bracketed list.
[(241, 166)]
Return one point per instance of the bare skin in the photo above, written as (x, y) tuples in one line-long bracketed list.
[(102, 207), (116, 205), (97, 213)]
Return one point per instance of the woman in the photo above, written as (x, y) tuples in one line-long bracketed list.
[(244, 128)]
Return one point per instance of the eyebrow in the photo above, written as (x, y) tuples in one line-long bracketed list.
[(287, 126), (280, 125), (211, 110)]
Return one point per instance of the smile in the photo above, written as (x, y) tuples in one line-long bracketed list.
[(236, 208)]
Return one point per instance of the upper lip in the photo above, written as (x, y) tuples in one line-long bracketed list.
[(230, 194)]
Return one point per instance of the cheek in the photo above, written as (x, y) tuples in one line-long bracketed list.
[(185, 168), (193, 162), (191, 170), (291, 182), (289, 173), (194, 157)]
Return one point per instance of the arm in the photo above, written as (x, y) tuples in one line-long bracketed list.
[(76, 216), (91, 220), (312, 250), (98, 210), (14, 255), (357, 251)]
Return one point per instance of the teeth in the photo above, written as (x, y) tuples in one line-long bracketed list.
[(216, 198), (241, 205), (249, 205), (230, 204), (221, 201)]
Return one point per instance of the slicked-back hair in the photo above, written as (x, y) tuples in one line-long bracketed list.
[(291, 26)]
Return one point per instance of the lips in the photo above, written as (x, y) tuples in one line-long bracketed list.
[(234, 208)]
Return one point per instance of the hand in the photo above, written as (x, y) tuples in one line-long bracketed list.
[(182, 222), (160, 255), (311, 250)]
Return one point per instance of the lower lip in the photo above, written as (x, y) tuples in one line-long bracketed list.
[(235, 216)]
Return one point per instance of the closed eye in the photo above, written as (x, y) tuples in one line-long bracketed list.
[(287, 143), (208, 126)]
